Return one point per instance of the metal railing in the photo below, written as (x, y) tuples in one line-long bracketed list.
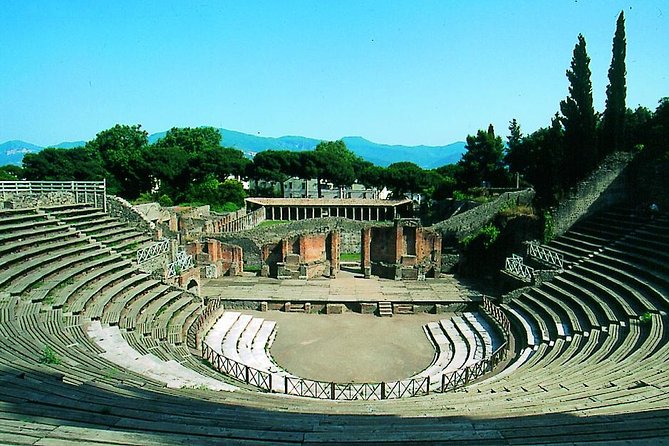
[(237, 370), (183, 262), (351, 391), (545, 254), (498, 315), (241, 221), (514, 265), (94, 192), (152, 251), (462, 377)]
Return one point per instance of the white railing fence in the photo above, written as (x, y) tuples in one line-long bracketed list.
[(93, 192), (545, 254), (183, 262), (153, 251), (514, 265)]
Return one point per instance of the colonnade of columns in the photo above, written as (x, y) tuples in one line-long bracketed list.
[(361, 213)]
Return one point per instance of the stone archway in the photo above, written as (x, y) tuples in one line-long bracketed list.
[(193, 286)]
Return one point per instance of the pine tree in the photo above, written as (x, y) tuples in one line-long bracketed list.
[(613, 123), (579, 119), (483, 161)]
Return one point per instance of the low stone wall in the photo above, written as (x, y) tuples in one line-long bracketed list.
[(466, 223), (120, 208), (606, 186), (20, 201)]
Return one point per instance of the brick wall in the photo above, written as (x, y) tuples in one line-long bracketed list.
[(312, 248)]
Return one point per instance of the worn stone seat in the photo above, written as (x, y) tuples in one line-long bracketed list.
[(130, 312), (153, 308), (461, 351), (621, 307), (595, 302), (44, 228), (176, 331), (567, 314), (472, 340), (631, 291), (535, 320), (554, 323), (56, 269), (77, 302), (112, 310), (86, 276), (96, 306), (21, 265), (444, 352)]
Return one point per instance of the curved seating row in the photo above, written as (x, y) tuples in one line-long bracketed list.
[(601, 377)]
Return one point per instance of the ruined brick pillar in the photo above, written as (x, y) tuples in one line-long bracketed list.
[(302, 240), (365, 249), (399, 242), (334, 249), (213, 248)]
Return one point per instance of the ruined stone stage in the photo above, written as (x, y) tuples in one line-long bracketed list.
[(349, 289)]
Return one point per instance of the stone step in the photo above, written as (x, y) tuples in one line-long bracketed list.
[(385, 309)]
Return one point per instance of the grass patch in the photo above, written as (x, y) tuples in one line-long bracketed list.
[(517, 211), (49, 356), (252, 268), (349, 257), (269, 223)]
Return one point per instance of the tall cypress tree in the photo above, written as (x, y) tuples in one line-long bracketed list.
[(613, 123), (579, 119)]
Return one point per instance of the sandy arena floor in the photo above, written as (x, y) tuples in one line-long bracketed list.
[(351, 347)]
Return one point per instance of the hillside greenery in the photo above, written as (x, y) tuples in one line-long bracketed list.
[(190, 166)]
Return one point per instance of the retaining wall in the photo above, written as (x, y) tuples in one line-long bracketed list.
[(120, 208), (606, 186)]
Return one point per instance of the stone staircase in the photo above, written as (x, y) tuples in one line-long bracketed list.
[(385, 309)]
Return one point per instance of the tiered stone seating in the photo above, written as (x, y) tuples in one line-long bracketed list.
[(95, 223), (606, 385), (173, 374)]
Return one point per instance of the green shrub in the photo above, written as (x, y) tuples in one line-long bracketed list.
[(49, 356), (165, 201), (487, 234), (549, 227)]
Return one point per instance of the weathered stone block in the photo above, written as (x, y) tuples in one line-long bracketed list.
[(367, 308), (334, 308)]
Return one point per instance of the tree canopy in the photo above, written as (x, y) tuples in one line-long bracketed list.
[(483, 160), (612, 136), (578, 118)]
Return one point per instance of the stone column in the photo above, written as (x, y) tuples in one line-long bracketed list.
[(398, 241), (365, 252)]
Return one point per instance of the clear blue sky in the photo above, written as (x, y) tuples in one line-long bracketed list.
[(398, 72)]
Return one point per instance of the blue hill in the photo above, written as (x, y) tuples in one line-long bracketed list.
[(428, 157), (11, 152)]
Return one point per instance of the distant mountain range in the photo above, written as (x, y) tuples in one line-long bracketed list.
[(428, 157)]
